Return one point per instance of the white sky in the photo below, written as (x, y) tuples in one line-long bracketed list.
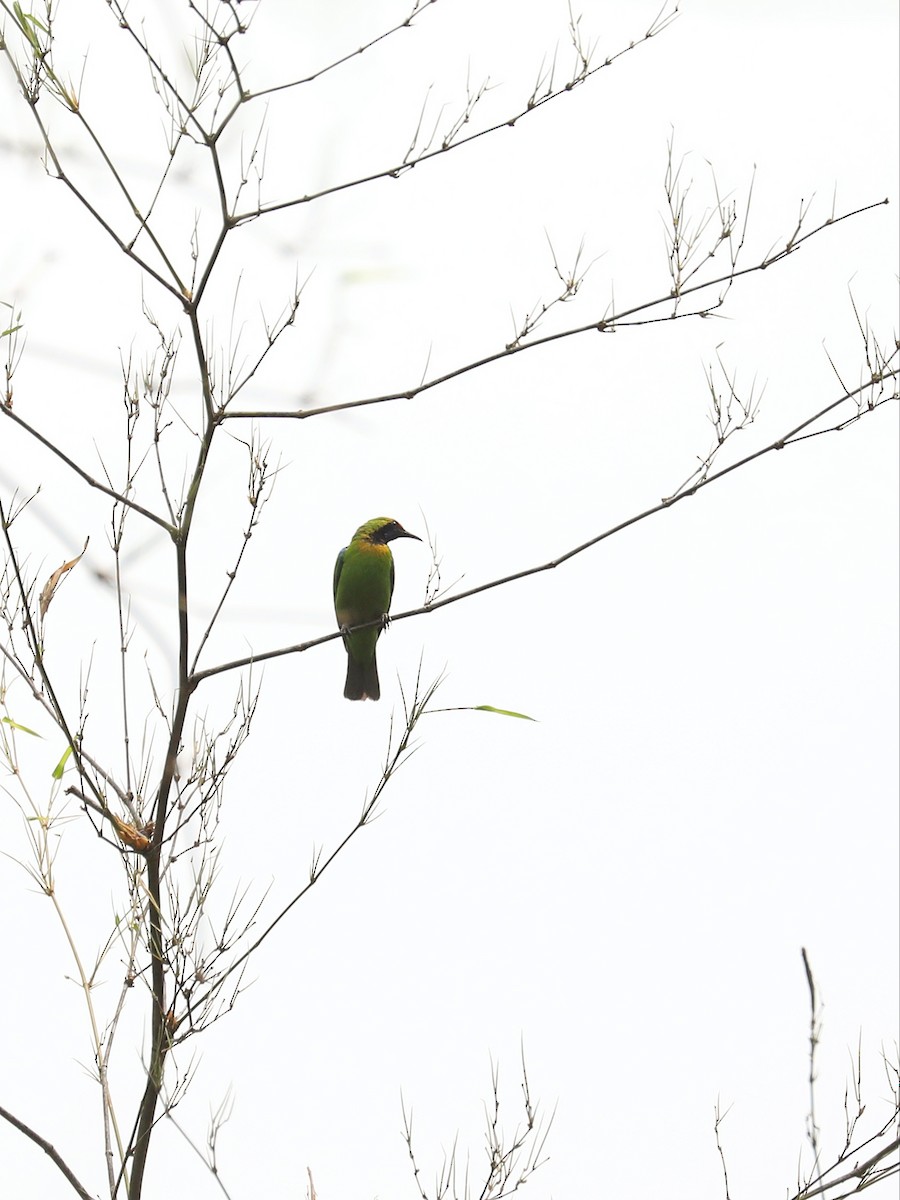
[(712, 782)]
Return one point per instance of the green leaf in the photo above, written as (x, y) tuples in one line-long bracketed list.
[(22, 728), (61, 765), (503, 712), (26, 21)]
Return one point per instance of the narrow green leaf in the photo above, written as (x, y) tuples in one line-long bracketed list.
[(22, 728), (30, 18), (503, 712), (27, 22), (61, 765)]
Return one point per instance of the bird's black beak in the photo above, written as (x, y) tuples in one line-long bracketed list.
[(389, 532), (397, 531)]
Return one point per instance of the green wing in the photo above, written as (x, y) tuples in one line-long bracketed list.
[(337, 570)]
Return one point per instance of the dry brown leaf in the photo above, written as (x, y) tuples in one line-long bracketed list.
[(135, 838), (53, 582)]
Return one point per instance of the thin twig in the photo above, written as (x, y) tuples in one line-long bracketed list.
[(50, 1151)]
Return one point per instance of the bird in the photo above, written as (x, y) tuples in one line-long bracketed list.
[(363, 586)]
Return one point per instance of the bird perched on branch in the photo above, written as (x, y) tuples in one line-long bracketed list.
[(363, 586)]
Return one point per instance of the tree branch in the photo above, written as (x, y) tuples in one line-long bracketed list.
[(604, 325), (581, 73), (788, 439), (50, 1151), (82, 474)]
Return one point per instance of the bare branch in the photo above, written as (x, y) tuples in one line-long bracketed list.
[(582, 71), (791, 438), (606, 324), (51, 1151), (84, 475)]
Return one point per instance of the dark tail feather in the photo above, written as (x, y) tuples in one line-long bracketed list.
[(362, 680)]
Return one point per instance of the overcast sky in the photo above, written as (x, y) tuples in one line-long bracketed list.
[(624, 885)]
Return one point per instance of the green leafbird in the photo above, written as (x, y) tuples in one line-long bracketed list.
[(363, 586)]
